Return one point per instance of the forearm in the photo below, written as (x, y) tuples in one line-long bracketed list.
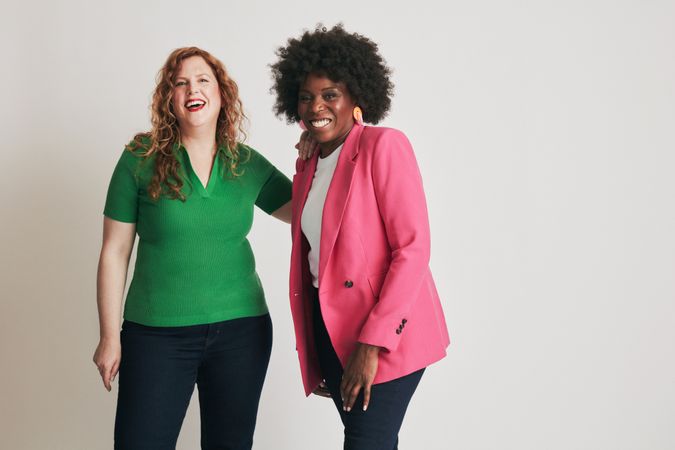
[(283, 213), (111, 280)]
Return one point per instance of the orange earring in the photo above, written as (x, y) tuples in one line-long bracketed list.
[(358, 115)]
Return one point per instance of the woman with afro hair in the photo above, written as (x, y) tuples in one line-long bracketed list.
[(367, 316)]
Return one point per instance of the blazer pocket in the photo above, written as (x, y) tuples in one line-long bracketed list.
[(376, 282)]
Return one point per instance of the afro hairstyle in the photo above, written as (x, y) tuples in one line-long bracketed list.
[(342, 57)]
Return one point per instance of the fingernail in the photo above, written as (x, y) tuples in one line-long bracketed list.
[(365, 407), (348, 409)]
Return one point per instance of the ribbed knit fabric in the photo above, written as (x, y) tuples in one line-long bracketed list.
[(194, 264)]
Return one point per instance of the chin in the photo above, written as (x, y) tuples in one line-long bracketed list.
[(323, 137), (320, 140)]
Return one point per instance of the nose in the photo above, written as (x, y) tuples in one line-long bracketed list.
[(317, 104), (193, 88)]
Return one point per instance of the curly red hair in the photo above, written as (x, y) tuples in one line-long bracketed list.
[(165, 132)]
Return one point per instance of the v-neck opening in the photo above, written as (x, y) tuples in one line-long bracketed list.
[(204, 191)]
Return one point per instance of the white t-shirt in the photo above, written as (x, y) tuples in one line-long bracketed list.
[(312, 213)]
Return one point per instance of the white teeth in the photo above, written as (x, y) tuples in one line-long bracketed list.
[(194, 103), (320, 123)]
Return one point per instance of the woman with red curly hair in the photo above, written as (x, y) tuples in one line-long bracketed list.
[(195, 311)]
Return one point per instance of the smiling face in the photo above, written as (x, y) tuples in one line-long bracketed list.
[(196, 95), (326, 106)]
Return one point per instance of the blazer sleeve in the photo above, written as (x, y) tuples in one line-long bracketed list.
[(402, 204)]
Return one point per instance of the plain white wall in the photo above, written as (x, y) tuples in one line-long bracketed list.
[(545, 135)]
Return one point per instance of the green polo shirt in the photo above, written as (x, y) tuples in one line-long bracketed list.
[(194, 264)]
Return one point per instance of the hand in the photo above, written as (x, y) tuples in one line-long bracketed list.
[(322, 390), (306, 146), (107, 358), (359, 373)]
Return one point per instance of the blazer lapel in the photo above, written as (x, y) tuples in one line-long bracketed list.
[(336, 198)]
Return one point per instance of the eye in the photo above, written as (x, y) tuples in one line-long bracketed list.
[(304, 98), (203, 80), (330, 96), (181, 83)]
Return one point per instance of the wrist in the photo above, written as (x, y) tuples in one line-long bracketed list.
[(109, 337), (371, 349)]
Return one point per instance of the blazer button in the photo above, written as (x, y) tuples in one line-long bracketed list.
[(398, 331), (349, 283), (404, 321)]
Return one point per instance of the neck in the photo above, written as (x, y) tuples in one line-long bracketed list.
[(200, 141), (329, 147)]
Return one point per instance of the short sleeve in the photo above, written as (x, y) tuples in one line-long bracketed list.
[(122, 200), (276, 188)]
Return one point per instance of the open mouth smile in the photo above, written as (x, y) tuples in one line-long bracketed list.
[(194, 105), (320, 123)]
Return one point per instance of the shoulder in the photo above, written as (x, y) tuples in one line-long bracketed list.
[(382, 141), (377, 134), (139, 145), (248, 154), (135, 151), (250, 157), (253, 162), (134, 157)]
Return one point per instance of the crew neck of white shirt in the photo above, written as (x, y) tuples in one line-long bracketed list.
[(332, 155)]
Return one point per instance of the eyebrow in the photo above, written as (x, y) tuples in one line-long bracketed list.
[(323, 89), (198, 75)]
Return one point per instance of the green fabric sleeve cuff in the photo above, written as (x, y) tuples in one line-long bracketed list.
[(119, 218), (275, 193)]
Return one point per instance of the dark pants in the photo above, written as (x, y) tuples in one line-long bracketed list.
[(378, 427), (160, 367)]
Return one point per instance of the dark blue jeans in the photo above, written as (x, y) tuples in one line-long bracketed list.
[(160, 367), (378, 427)]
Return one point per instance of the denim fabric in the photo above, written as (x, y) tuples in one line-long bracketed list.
[(160, 367), (378, 427)]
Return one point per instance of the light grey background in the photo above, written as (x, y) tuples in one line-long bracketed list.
[(545, 135)]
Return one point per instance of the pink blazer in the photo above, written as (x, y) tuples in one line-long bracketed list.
[(375, 285)]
